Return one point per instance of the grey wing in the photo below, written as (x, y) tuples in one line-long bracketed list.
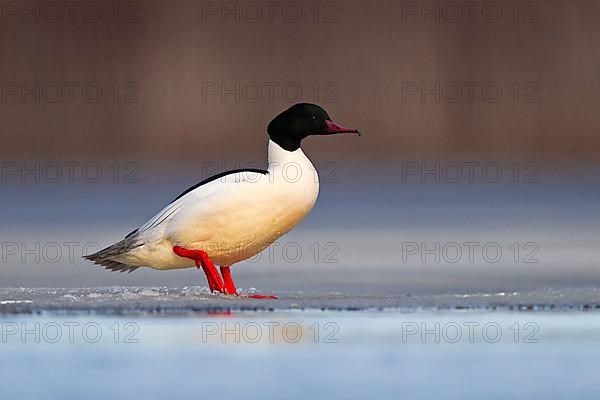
[(200, 192), (163, 215)]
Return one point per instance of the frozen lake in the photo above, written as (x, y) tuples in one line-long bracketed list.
[(450, 354), (159, 342), (379, 295), (143, 301)]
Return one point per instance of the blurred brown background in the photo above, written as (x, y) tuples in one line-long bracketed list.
[(182, 89), (359, 59)]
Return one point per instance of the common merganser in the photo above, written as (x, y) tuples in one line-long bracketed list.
[(234, 215)]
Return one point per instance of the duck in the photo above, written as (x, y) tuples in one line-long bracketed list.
[(234, 215)]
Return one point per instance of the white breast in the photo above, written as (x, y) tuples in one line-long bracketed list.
[(235, 217)]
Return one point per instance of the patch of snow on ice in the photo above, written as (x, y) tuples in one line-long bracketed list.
[(195, 291), (16, 302), (149, 292)]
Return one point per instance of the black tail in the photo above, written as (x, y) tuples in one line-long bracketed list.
[(105, 257)]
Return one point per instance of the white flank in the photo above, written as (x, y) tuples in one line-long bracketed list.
[(232, 218)]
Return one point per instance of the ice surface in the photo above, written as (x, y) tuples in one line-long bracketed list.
[(163, 342), (190, 299)]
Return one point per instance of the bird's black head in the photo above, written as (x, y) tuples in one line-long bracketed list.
[(299, 121)]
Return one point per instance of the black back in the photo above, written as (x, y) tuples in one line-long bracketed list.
[(217, 176)]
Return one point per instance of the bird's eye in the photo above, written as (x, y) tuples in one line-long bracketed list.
[(314, 117)]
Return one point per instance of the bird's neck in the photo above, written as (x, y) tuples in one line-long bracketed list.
[(290, 162)]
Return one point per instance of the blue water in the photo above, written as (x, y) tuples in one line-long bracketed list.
[(298, 355)]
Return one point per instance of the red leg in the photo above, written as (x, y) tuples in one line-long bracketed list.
[(201, 259), (230, 286)]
